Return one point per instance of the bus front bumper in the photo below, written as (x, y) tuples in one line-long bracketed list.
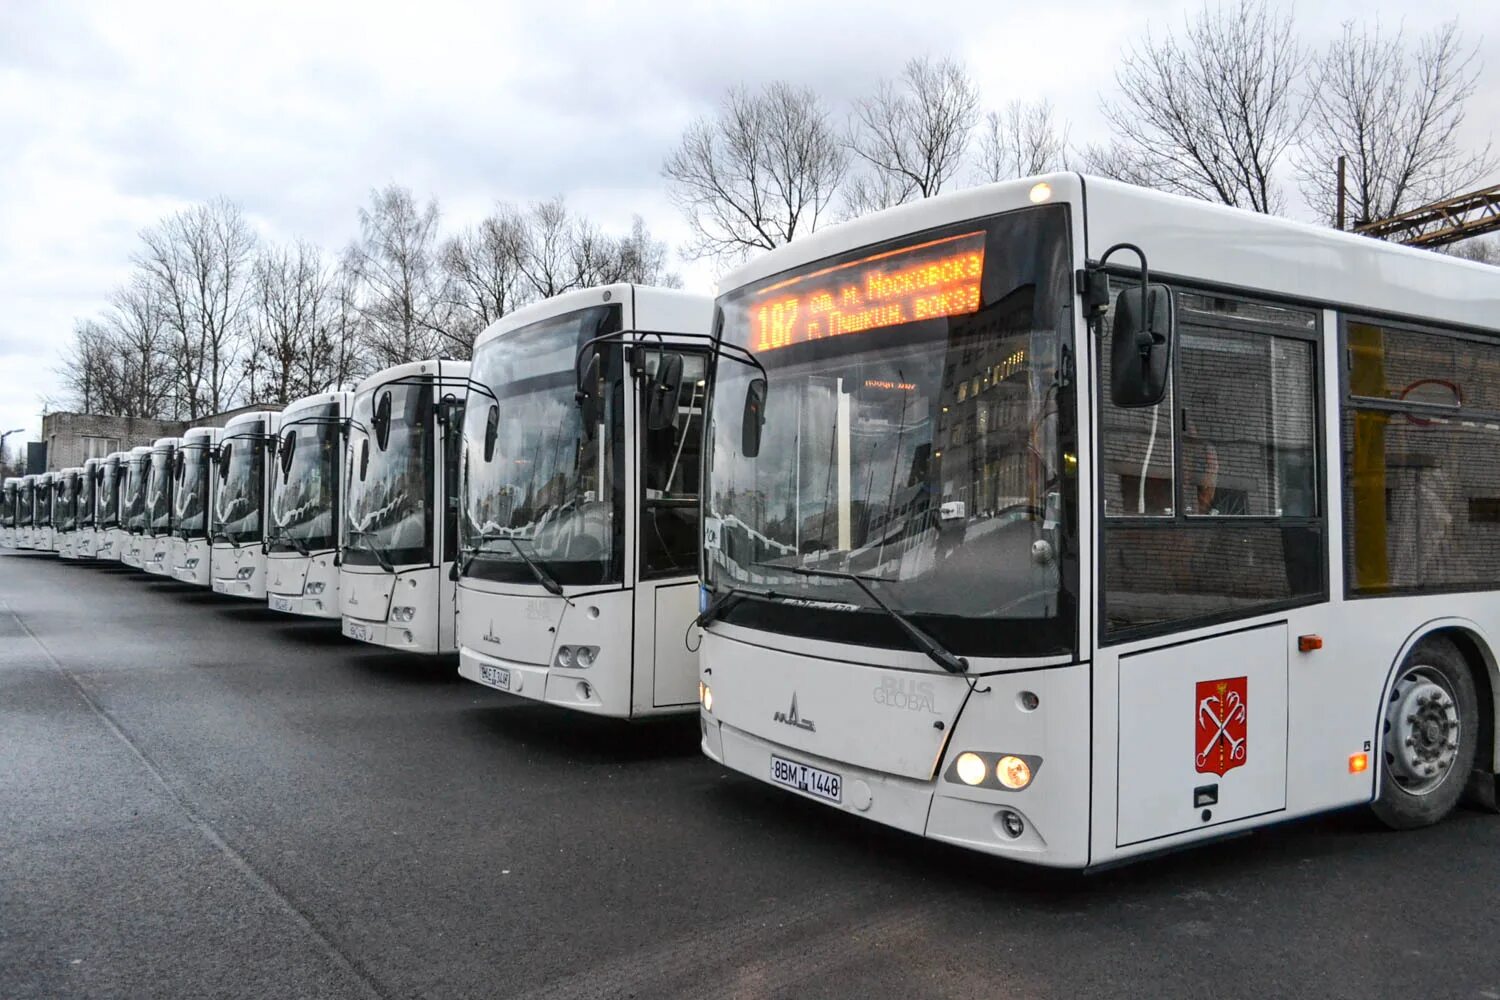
[(566, 689)]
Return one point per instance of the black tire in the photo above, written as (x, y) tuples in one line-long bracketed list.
[(1423, 766)]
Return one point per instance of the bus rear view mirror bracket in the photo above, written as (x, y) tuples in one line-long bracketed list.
[(587, 395), (381, 420), (1141, 338), (754, 417)]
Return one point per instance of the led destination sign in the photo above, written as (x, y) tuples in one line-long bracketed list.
[(927, 281)]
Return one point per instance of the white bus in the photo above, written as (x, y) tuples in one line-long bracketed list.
[(238, 533), (26, 513), (43, 533), (85, 537), (65, 495), (1225, 553), (10, 501), (302, 558), (399, 535), (111, 487), (194, 480), (136, 470), (579, 511), (162, 469)]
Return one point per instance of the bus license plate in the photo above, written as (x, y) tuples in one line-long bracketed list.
[(281, 604), (354, 630), (495, 676), (221, 586), (805, 778)]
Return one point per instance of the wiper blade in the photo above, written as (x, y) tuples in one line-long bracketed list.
[(935, 650), (293, 541), (548, 582), (374, 550), (721, 603)]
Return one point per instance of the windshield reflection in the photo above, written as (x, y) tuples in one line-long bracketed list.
[(159, 491), (532, 473), (192, 488), (237, 508), (390, 514), (109, 494), (304, 506)]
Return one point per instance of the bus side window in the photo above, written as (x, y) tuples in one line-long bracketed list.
[(671, 464)]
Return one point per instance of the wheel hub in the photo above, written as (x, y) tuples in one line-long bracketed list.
[(1422, 729)]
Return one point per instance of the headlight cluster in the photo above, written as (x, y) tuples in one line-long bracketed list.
[(316, 587), (1007, 771), (576, 657), (403, 614), (244, 572), (191, 563), (705, 696)]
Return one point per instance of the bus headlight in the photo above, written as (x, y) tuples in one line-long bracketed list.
[(1012, 772), (403, 614), (315, 588), (244, 572), (576, 657), (971, 768)]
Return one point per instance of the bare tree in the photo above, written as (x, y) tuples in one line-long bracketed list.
[(1210, 114), (198, 261), (294, 348), (91, 369), (1021, 140), (138, 324), (1396, 113), (643, 259), (482, 279), (752, 177), (911, 136), (1480, 251), (394, 261)]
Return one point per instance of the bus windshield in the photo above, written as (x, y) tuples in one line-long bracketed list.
[(539, 487), (66, 510), (8, 511), (242, 484), (85, 506), (109, 494), (916, 431), (390, 486), (134, 500), (304, 506), (159, 491), (26, 505), (190, 506), (44, 504)]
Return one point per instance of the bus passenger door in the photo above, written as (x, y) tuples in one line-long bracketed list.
[(666, 587)]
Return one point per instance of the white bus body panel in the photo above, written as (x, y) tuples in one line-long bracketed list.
[(239, 570), (190, 560), (367, 594), (303, 585)]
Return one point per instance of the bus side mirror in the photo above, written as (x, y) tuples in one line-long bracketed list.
[(1141, 346), (381, 420), (587, 397), (491, 431), (364, 458), (288, 447), (663, 392), (225, 450), (754, 417)]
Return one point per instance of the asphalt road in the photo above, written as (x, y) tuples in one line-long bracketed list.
[(201, 799)]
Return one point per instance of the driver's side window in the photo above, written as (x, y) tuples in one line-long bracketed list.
[(671, 466)]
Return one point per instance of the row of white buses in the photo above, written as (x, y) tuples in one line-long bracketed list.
[(1057, 519)]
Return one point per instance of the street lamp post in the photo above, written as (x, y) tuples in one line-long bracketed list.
[(3, 436)]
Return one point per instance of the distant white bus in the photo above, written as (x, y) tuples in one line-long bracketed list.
[(238, 560), (579, 513), (399, 534), (26, 513), (9, 501), (110, 526), (307, 485), (65, 496), (1231, 544), (160, 480), (136, 470), (86, 535), (195, 481), (43, 533)]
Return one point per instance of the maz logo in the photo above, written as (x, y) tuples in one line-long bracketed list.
[(792, 719), (489, 635)]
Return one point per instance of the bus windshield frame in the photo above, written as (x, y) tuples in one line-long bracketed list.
[(979, 549), (241, 496), (159, 491), (305, 497), (388, 491), (192, 488)]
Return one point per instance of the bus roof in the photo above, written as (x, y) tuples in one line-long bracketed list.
[(661, 310), (440, 367), (317, 399), (1197, 241)]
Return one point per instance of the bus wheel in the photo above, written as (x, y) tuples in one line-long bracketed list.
[(1429, 730)]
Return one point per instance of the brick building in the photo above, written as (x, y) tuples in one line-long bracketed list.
[(70, 438)]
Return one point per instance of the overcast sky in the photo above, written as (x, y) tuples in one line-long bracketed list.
[(115, 114)]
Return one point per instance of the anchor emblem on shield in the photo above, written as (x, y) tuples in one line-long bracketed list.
[(1222, 735)]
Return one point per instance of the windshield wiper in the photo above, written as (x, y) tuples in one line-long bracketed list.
[(548, 582), (373, 549), (935, 650), (293, 541), (721, 603)]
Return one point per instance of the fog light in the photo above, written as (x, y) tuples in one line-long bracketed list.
[(971, 768), (317, 605), (1013, 772), (405, 635), (403, 614), (565, 657), (1012, 823), (316, 587)]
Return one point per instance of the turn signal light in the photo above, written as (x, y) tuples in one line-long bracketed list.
[(1359, 762), (1308, 643)]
